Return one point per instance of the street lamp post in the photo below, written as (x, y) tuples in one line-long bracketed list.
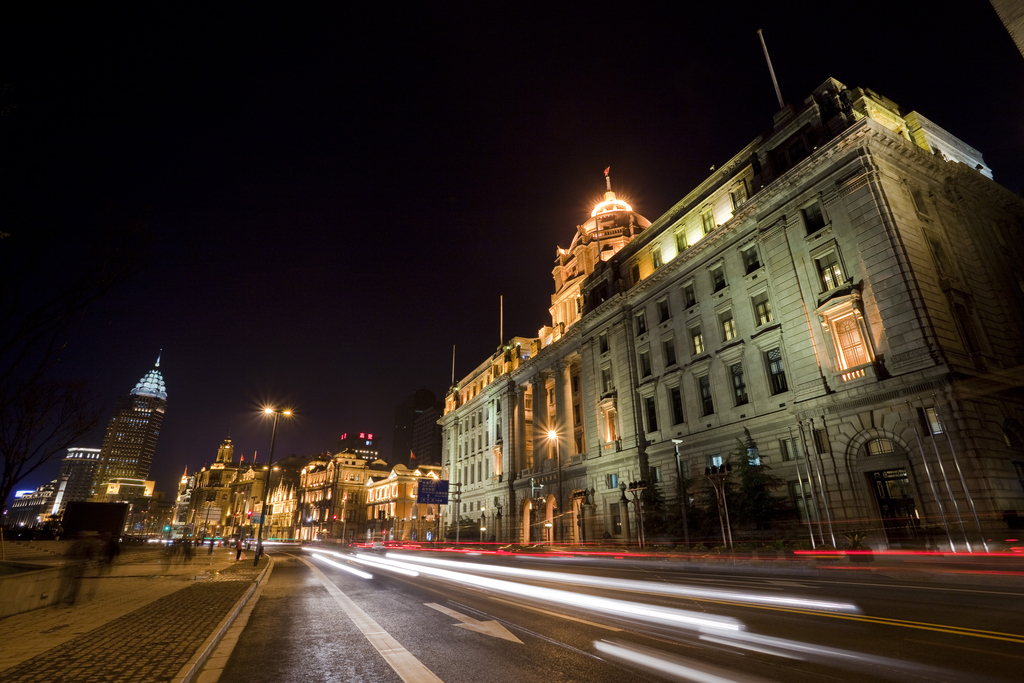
[(266, 488), (717, 476), (553, 436)]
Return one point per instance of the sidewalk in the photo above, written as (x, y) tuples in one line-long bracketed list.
[(142, 622)]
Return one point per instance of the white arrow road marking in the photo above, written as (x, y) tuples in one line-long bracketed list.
[(488, 628)]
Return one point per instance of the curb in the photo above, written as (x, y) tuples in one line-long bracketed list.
[(195, 664)]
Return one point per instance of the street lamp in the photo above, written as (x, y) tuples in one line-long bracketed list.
[(266, 488), (717, 475), (553, 436)]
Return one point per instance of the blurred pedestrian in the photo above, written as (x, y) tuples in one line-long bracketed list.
[(238, 549), (109, 552), (79, 557)]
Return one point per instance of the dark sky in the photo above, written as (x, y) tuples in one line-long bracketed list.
[(341, 192)]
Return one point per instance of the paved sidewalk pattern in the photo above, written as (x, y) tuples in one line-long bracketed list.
[(151, 643)]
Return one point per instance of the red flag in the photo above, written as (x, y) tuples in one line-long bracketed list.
[(607, 169)]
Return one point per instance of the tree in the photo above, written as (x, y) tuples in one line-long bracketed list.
[(751, 502), (41, 299)]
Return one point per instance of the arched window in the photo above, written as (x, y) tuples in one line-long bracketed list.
[(880, 447), (1013, 433)]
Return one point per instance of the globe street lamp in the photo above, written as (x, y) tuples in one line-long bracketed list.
[(266, 487)]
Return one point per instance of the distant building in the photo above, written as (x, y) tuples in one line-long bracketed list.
[(35, 508), (332, 496), (404, 436), (426, 437), (392, 510), (79, 466), (132, 433), (360, 444)]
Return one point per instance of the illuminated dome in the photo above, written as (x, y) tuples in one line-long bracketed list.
[(152, 384), (610, 205)]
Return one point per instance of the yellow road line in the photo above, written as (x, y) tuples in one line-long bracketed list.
[(924, 626)]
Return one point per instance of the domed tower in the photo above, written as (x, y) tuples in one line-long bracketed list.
[(612, 224)]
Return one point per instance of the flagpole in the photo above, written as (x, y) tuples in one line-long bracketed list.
[(778, 93), (501, 318)]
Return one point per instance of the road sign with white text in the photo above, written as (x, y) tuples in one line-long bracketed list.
[(432, 492)]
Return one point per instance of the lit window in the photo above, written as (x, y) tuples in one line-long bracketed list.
[(762, 309), (681, 241), (739, 384), (932, 422), (728, 325), (612, 481), (830, 273), (707, 221), (696, 341), (739, 195), (790, 449), (656, 257), (880, 447), (850, 343)]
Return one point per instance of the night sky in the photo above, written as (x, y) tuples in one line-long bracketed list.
[(338, 194)]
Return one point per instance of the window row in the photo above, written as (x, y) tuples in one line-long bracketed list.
[(738, 392)]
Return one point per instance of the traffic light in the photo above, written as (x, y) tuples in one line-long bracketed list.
[(249, 514), (167, 528)]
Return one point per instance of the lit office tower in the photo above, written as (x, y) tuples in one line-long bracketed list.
[(130, 441)]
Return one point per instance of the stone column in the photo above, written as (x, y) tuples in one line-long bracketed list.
[(520, 427)]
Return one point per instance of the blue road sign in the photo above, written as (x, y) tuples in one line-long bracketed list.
[(432, 492)]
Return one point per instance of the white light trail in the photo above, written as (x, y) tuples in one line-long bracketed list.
[(635, 586), (665, 616), (676, 666), (351, 570)]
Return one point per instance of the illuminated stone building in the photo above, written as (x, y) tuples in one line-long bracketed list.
[(392, 510), (213, 500), (130, 440), (846, 287), (332, 496)]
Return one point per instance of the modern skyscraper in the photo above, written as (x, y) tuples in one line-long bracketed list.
[(79, 466), (406, 415), (132, 432)]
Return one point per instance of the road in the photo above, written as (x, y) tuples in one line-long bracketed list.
[(460, 618)]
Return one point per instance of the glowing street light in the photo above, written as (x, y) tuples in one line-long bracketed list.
[(266, 487)]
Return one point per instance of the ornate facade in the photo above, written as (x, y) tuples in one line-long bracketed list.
[(842, 296)]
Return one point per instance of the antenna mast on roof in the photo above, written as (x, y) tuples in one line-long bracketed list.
[(453, 365), (778, 93), (501, 318)]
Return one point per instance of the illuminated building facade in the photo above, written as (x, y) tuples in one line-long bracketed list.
[(132, 433), (332, 496), (79, 466), (392, 510), (845, 287)]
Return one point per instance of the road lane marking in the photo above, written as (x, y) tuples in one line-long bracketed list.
[(557, 614), (488, 628), (885, 621), (408, 668), (961, 647)]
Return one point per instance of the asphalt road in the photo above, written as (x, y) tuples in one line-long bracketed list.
[(463, 618)]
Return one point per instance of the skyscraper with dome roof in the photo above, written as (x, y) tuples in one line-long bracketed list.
[(132, 432)]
